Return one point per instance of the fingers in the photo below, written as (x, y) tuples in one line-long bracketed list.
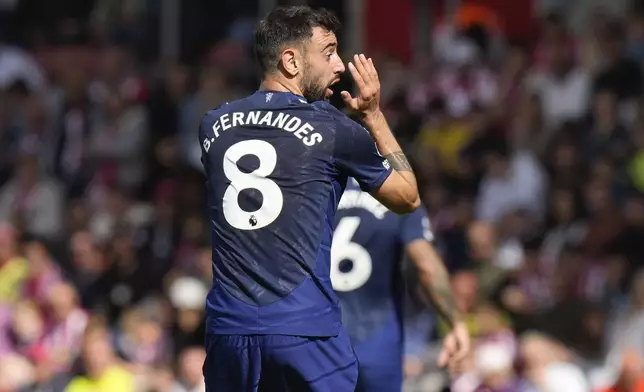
[(362, 65), (443, 358), (366, 79), (363, 69), (462, 349), (372, 71), (456, 348), (449, 347), (357, 77), (349, 100), (346, 97), (463, 339)]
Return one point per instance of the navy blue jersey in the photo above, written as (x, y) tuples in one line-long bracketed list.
[(368, 248), (276, 167)]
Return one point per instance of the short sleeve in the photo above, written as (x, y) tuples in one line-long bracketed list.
[(357, 156), (416, 226)]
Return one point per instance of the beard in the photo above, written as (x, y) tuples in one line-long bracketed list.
[(312, 87)]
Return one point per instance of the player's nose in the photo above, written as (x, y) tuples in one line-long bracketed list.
[(338, 67)]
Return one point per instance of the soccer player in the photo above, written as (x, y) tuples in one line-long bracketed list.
[(369, 243), (276, 164)]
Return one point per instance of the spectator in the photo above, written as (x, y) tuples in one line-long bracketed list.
[(17, 65), (620, 73), (190, 377), (563, 87), (548, 365), (512, 181), (13, 267), (141, 341), (187, 296), (32, 201), (43, 272), (494, 365), (64, 337), (28, 331), (102, 371), (15, 373), (118, 142), (605, 135)]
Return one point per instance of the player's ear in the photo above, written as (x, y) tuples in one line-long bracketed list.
[(290, 62)]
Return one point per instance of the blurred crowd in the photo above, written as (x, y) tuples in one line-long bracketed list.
[(530, 156), (104, 238), (531, 159)]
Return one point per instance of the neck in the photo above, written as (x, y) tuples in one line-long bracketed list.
[(274, 83), (98, 370)]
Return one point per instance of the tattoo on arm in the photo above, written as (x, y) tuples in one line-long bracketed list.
[(440, 293), (398, 161)]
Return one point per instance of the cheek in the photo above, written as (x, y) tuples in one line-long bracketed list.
[(318, 68)]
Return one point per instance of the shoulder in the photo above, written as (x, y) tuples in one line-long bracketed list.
[(218, 110), (230, 106), (326, 108), (211, 116)]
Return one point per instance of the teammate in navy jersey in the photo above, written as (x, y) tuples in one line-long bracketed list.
[(369, 243), (276, 164)]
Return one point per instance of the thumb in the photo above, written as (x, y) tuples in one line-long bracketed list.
[(346, 96)]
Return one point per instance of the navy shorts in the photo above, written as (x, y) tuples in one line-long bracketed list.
[(266, 363)]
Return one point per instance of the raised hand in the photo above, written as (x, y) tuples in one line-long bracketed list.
[(364, 74)]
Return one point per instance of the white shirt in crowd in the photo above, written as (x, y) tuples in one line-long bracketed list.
[(562, 98), (15, 65), (523, 187)]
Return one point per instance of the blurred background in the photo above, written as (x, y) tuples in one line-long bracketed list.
[(524, 120)]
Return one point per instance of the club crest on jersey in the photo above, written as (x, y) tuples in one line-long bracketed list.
[(269, 96)]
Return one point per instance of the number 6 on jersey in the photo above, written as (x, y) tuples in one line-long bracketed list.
[(343, 248), (272, 198)]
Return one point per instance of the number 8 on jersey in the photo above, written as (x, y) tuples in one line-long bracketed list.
[(272, 198)]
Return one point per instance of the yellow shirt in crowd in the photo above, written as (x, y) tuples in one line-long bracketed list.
[(448, 141), (112, 380), (12, 275)]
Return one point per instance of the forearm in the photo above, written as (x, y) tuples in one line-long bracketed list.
[(389, 147), (436, 285), (435, 281)]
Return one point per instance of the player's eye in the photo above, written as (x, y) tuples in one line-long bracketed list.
[(330, 54)]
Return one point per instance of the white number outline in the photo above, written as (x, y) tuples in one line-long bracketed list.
[(272, 197), (342, 248)]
